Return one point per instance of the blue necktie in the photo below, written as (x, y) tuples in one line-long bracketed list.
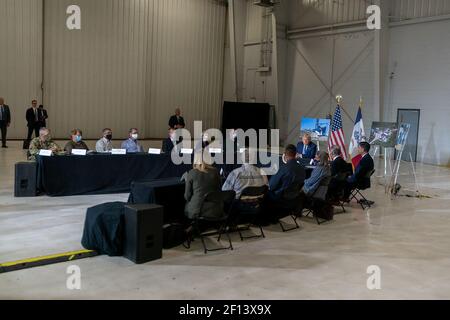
[(305, 148)]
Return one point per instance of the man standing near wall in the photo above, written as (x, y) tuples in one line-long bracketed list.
[(43, 116), (5, 120), (177, 121), (32, 117)]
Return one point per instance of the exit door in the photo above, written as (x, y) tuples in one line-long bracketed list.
[(411, 116)]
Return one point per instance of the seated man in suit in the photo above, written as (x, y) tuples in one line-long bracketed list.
[(131, 144), (76, 142), (340, 170), (177, 121), (289, 173), (338, 164), (365, 166), (171, 142), (42, 142), (306, 149)]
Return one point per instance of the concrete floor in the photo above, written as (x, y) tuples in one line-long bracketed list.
[(408, 238)]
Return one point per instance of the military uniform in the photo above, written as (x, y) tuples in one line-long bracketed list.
[(36, 145)]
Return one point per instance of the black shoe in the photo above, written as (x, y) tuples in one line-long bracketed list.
[(4, 147)]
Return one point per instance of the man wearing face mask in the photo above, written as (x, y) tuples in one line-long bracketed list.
[(131, 144), (76, 142), (43, 142), (104, 145)]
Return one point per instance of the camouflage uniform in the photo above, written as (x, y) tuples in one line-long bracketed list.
[(36, 145)]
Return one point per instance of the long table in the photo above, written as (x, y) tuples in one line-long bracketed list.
[(102, 174), (105, 173)]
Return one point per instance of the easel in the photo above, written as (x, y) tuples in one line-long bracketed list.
[(393, 184), (387, 165)]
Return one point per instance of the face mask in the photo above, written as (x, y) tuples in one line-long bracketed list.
[(109, 137), (135, 136), (173, 136), (78, 138)]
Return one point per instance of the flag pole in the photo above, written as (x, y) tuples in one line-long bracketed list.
[(339, 100)]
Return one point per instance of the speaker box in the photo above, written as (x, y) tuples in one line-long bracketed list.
[(25, 179), (143, 232)]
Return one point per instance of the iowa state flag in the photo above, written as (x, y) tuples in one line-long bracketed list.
[(358, 136)]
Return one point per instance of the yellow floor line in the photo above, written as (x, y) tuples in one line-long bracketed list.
[(71, 256)]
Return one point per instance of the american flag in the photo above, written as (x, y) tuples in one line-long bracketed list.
[(337, 137)]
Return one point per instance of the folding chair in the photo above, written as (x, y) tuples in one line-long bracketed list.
[(217, 198), (289, 205), (319, 196), (362, 185), (248, 209), (337, 199)]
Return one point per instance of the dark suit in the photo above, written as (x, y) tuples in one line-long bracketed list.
[(340, 170), (339, 166), (168, 145), (310, 152), (359, 179), (43, 116), (287, 175), (5, 120), (176, 121), (33, 122)]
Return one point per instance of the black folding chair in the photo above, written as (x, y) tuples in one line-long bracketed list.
[(290, 205), (319, 196), (248, 209), (224, 201), (362, 185), (337, 189)]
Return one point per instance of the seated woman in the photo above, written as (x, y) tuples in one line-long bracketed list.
[(321, 171), (315, 162), (200, 181), (76, 142)]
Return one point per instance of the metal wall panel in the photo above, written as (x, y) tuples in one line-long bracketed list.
[(410, 9), (185, 63), (313, 13), (20, 58), (132, 63)]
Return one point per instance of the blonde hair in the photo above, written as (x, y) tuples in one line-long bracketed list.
[(307, 136), (202, 162)]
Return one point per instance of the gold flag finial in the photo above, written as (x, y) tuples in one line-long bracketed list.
[(339, 99), (361, 102)]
